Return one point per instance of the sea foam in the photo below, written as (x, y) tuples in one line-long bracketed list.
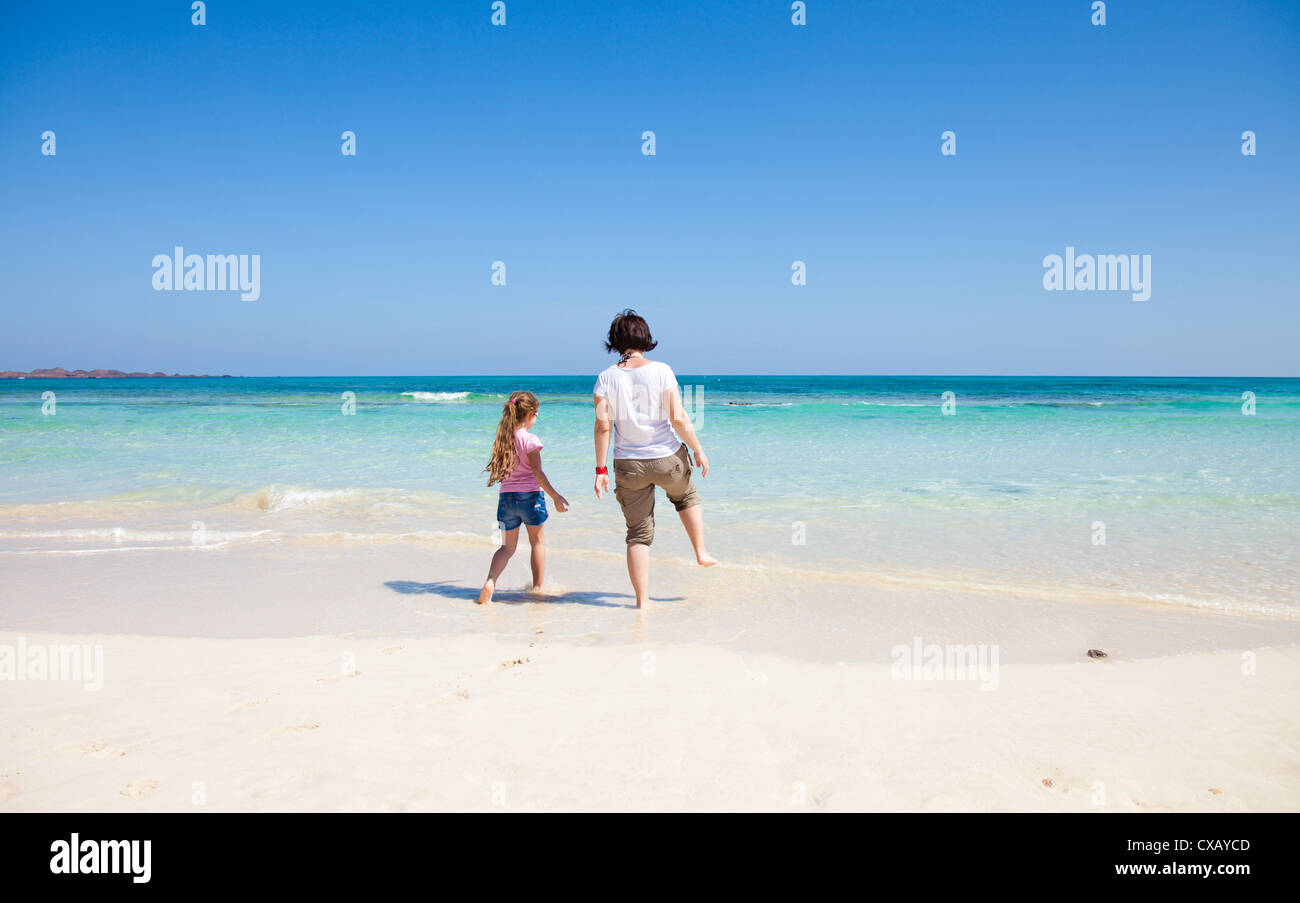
[(437, 396)]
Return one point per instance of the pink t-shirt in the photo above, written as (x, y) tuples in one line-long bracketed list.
[(521, 477)]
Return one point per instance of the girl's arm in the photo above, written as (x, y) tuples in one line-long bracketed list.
[(535, 462)]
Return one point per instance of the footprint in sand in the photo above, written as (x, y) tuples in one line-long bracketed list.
[(391, 649), (296, 728), (512, 663), (8, 791), (139, 788), (346, 676), (454, 696), (246, 705), (100, 750)]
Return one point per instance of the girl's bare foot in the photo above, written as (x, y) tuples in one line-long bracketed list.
[(705, 559), (485, 596)]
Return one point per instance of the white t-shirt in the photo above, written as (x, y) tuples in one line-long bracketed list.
[(641, 426)]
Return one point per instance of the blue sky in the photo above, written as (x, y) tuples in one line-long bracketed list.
[(775, 143)]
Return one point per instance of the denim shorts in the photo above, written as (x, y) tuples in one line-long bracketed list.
[(517, 508)]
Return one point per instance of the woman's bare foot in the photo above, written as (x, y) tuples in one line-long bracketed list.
[(485, 596), (704, 559)]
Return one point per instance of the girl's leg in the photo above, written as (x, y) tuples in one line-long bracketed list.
[(499, 560), (693, 521), (537, 541), (638, 569)]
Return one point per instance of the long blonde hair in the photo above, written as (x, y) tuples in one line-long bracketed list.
[(518, 408)]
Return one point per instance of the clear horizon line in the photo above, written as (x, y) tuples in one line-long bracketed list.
[(684, 373)]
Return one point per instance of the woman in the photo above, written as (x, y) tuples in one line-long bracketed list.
[(637, 400)]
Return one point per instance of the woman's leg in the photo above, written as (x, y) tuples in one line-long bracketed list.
[(693, 521), (680, 486), (636, 496), (638, 569), (537, 542), (500, 559)]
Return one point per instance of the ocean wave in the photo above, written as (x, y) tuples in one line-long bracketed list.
[(123, 534), (751, 404), (322, 505), (108, 550), (127, 505), (201, 503), (218, 539), (276, 498), (987, 403), (437, 396)]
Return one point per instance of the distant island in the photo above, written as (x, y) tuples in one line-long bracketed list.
[(60, 373)]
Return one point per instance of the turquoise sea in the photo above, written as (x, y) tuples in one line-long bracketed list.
[(1150, 489)]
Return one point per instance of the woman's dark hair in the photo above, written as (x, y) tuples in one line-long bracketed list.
[(629, 332)]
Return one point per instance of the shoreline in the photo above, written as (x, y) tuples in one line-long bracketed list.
[(291, 590)]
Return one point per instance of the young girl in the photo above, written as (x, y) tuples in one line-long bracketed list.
[(517, 465)]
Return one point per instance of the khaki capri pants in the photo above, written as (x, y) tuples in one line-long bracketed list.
[(635, 482)]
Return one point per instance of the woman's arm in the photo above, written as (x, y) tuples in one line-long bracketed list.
[(604, 427), (535, 462), (682, 424)]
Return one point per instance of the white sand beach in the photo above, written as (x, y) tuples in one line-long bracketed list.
[(365, 678)]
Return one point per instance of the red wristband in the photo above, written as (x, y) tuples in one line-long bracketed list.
[(600, 470)]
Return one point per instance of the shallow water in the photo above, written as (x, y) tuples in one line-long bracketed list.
[(851, 476)]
